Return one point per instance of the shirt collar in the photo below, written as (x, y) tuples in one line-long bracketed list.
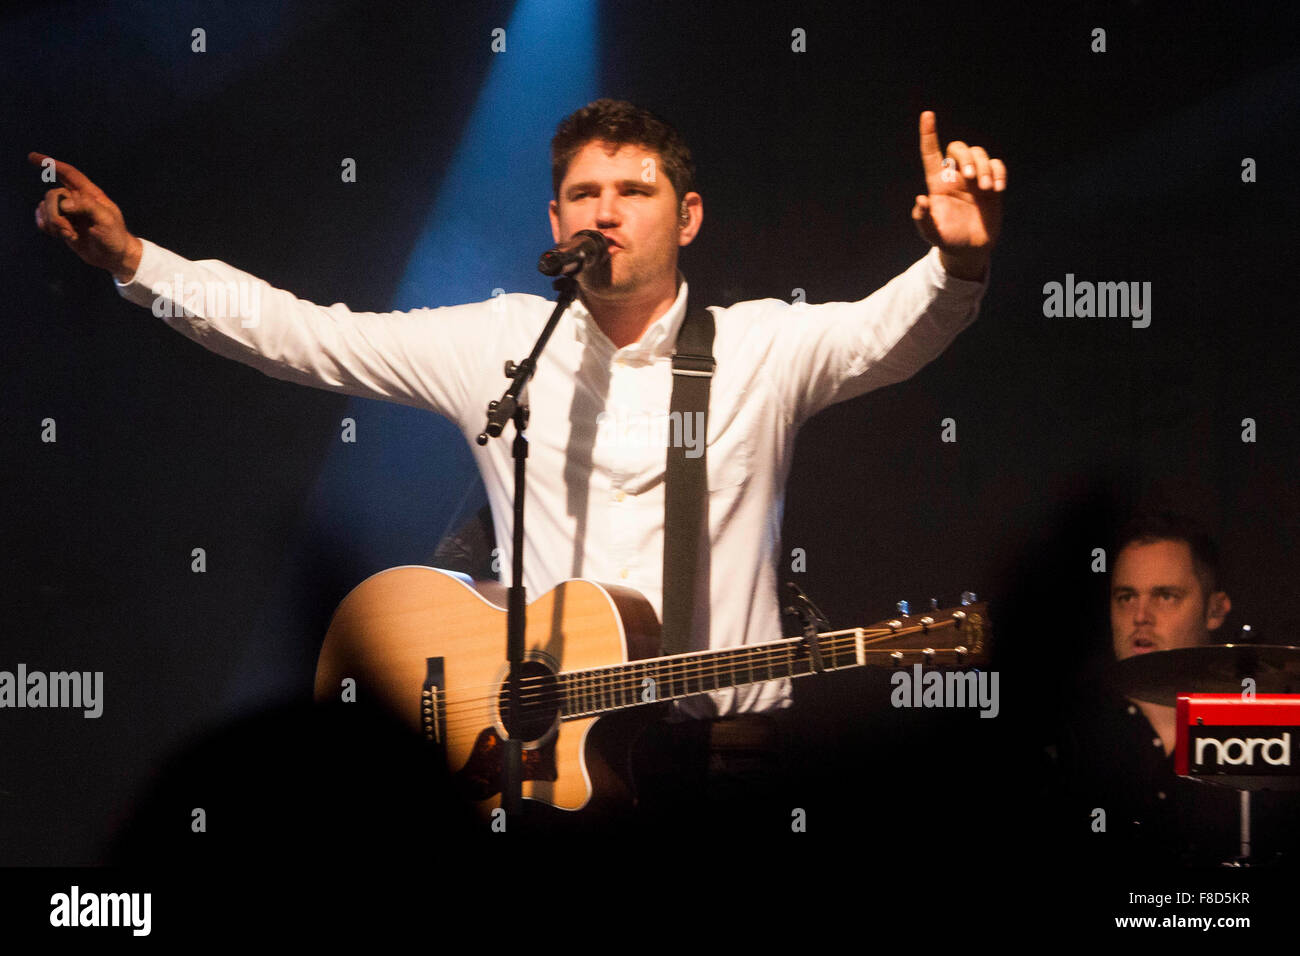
[(658, 340)]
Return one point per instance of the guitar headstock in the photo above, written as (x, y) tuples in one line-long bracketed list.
[(957, 636)]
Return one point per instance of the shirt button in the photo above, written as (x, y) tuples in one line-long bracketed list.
[(623, 574), (1132, 709), (1160, 795), (1155, 742), (619, 495)]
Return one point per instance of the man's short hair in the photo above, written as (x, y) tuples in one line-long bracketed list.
[(621, 123), (1167, 526)]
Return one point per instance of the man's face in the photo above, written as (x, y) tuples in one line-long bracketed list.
[(1156, 600), (625, 196)]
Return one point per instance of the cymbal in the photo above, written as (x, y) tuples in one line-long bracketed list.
[(1160, 676)]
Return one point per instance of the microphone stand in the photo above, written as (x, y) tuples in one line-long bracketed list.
[(511, 406)]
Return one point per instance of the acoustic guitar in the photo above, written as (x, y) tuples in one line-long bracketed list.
[(429, 646)]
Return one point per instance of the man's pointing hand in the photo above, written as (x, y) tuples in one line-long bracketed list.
[(88, 221), (962, 214)]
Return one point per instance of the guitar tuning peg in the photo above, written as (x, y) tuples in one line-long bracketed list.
[(903, 608), (968, 597), (934, 604), (1246, 634)]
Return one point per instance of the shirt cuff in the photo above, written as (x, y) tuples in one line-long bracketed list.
[(140, 290), (944, 280)]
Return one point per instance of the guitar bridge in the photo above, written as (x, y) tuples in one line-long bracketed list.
[(433, 715)]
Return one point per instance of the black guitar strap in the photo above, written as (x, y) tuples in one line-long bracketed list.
[(686, 494)]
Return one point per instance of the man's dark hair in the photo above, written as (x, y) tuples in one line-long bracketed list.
[(621, 123), (1168, 526)]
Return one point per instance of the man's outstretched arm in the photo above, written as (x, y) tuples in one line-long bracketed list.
[(833, 352), (425, 358)]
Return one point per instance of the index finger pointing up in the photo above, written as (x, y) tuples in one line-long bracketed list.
[(68, 174), (931, 154)]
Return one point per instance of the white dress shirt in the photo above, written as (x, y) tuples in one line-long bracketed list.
[(595, 505)]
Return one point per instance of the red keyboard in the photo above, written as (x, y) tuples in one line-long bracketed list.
[(1247, 742)]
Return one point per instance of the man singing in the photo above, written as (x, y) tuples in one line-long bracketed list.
[(596, 499)]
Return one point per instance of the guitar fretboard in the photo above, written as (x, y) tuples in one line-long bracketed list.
[(637, 683)]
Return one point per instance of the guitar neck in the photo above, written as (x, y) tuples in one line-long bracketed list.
[(895, 643)]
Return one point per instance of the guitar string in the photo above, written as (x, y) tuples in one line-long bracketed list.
[(483, 712), (620, 679), (742, 654), (606, 697)]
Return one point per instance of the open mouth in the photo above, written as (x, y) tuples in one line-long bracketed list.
[(1143, 645)]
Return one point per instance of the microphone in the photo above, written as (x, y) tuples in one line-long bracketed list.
[(586, 250)]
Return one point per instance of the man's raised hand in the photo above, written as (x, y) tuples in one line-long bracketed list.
[(88, 221), (962, 214)]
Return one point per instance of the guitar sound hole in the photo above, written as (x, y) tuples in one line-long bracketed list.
[(539, 703)]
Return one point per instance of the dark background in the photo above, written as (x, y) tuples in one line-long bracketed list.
[(1124, 166)]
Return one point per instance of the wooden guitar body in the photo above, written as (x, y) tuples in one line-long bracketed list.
[(431, 648)]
